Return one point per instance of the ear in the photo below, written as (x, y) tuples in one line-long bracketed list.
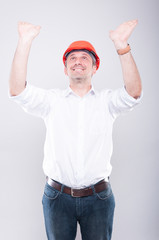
[(94, 69), (65, 71)]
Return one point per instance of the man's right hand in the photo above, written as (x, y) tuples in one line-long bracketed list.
[(27, 31)]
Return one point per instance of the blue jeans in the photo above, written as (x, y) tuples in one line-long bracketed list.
[(93, 213)]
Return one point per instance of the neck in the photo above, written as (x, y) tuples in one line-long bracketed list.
[(80, 88)]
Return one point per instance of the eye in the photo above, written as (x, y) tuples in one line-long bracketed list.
[(84, 57), (72, 58)]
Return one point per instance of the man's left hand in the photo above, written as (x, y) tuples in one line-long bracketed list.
[(122, 33)]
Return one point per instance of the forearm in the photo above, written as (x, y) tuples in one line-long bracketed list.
[(27, 32), (131, 75), (19, 68)]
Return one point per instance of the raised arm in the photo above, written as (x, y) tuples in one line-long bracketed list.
[(27, 32), (131, 75)]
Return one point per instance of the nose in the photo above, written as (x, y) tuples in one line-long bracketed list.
[(78, 61)]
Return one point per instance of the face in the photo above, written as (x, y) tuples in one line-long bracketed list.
[(79, 66)]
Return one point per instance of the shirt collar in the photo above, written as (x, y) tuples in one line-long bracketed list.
[(69, 91)]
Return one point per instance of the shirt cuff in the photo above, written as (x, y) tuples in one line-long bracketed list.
[(129, 98), (22, 94)]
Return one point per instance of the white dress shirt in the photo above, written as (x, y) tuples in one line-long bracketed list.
[(78, 144)]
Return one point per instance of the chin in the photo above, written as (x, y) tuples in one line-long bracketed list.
[(77, 78), (77, 75)]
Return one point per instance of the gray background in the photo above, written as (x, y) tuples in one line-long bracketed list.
[(135, 158)]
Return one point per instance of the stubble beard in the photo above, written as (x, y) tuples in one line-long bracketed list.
[(78, 79)]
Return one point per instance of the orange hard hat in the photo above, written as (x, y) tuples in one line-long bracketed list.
[(82, 45)]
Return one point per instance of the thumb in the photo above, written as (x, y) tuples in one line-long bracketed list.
[(38, 27), (110, 32)]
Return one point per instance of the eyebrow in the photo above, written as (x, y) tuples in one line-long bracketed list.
[(72, 54)]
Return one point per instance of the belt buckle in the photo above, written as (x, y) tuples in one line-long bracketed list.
[(72, 193)]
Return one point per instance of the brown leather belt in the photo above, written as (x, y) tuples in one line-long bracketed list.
[(99, 187)]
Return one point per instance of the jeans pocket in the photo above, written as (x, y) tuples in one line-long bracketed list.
[(50, 192), (105, 194)]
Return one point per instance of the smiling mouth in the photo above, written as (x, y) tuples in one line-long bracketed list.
[(78, 69)]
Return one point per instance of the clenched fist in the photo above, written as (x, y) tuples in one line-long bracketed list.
[(27, 31)]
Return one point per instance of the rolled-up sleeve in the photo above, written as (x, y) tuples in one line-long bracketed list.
[(34, 100), (119, 101)]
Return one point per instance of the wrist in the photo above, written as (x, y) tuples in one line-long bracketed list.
[(123, 51), (24, 46), (24, 42), (120, 44)]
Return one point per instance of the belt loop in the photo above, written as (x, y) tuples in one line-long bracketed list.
[(93, 189), (62, 187)]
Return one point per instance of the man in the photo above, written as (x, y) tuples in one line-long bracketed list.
[(79, 122)]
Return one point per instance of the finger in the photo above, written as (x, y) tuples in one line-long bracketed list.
[(133, 26), (132, 22)]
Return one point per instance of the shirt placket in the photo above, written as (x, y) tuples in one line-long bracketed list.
[(80, 145)]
